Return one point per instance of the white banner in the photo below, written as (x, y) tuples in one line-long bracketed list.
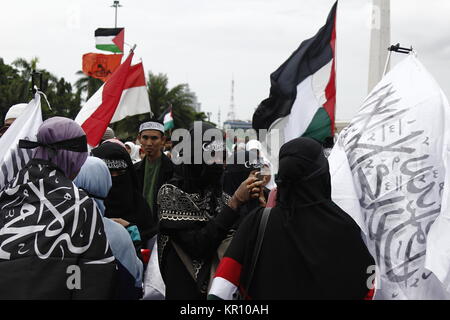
[(388, 171), (26, 126)]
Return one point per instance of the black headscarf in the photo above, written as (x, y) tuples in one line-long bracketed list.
[(312, 249), (124, 199), (303, 176), (193, 230), (196, 178)]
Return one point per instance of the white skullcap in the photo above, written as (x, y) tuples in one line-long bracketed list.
[(15, 111), (150, 125)]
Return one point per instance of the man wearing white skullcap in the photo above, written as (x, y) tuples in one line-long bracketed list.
[(155, 169), (13, 113)]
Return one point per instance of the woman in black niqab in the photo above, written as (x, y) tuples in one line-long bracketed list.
[(312, 249), (195, 217), (124, 200)]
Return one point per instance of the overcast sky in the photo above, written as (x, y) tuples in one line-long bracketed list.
[(207, 42)]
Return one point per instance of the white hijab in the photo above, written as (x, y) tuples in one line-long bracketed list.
[(134, 154)]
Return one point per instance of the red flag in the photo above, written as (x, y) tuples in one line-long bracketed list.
[(119, 40), (100, 66), (109, 95)]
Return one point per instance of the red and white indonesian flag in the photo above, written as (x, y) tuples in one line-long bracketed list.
[(124, 94), (390, 171)]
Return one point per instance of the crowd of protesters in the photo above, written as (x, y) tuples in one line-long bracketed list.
[(109, 222)]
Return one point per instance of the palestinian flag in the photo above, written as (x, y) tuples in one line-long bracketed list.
[(110, 39), (303, 91), (167, 118), (123, 94)]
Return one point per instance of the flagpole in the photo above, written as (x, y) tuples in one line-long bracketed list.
[(116, 5), (398, 49)]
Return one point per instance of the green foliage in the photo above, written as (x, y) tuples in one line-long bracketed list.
[(183, 100), (11, 88), (15, 87), (63, 101), (183, 103), (66, 100), (87, 85)]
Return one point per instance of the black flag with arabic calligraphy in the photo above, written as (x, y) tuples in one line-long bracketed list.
[(52, 239)]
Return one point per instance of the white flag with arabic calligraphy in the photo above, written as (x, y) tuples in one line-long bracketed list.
[(388, 172), (12, 158)]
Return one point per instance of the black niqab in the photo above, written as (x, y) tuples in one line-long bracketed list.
[(312, 249), (196, 178), (124, 200)]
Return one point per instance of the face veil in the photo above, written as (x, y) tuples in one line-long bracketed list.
[(196, 177)]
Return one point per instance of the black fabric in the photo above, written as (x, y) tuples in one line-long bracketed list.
[(195, 178), (312, 55), (124, 200), (312, 249), (200, 242), (258, 243), (78, 144), (164, 175), (237, 172), (126, 289), (68, 233), (104, 32)]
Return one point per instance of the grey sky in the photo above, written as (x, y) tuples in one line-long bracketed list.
[(206, 42)]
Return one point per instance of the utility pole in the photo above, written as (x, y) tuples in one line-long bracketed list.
[(116, 5), (380, 40)]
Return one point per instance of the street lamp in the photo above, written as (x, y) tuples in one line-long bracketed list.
[(116, 5)]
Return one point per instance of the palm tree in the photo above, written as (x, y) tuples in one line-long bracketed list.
[(26, 69), (183, 100), (87, 84), (183, 103), (11, 84)]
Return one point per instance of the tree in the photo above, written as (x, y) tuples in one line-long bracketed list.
[(15, 87), (183, 100), (10, 81), (25, 68), (47, 86), (63, 101), (86, 84), (183, 103)]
